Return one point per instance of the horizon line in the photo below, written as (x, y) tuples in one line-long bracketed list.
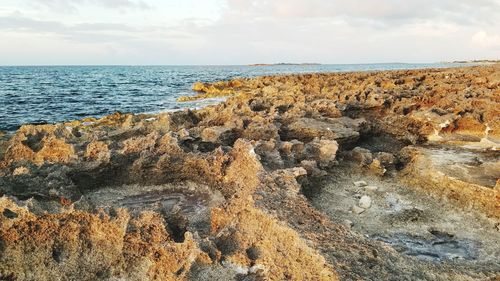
[(250, 64)]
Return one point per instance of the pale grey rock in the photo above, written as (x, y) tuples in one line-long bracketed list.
[(365, 202), (360, 183)]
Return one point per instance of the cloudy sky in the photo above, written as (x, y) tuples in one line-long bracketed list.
[(36, 32)]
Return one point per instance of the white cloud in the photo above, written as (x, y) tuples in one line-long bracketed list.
[(381, 11), (249, 31), (429, 28), (72, 5), (485, 40)]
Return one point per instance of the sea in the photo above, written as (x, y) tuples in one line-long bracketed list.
[(51, 94)]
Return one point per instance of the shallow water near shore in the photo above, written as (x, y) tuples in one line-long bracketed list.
[(49, 94)]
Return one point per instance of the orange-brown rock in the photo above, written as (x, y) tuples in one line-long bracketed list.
[(98, 151), (219, 193)]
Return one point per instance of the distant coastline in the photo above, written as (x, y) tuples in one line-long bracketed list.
[(282, 63), (312, 64), (476, 61)]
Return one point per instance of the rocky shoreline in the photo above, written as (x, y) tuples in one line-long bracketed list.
[(387, 175)]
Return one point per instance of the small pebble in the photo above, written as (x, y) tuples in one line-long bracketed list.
[(360, 183), (357, 210), (371, 187), (348, 223), (53, 192), (365, 202)]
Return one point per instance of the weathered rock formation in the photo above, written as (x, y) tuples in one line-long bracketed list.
[(217, 193)]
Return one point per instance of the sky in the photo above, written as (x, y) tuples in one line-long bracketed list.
[(222, 32)]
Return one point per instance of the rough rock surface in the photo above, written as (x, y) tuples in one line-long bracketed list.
[(218, 193)]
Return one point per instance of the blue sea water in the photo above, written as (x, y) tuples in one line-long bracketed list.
[(49, 94)]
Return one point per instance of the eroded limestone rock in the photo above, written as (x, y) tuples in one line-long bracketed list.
[(257, 150)]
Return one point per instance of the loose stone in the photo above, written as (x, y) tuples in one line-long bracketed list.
[(365, 202), (360, 183), (357, 210)]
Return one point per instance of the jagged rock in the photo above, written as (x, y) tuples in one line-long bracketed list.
[(312, 169), (260, 131), (254, 151), (341, 129), (184, 134), (326, 108), (293, 148), (362, 156), (270, 156), (98, 151), (385, 158), (139, 144), (218, 134), (286, 179), (322, 150), (413, 99), (377, 168)]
